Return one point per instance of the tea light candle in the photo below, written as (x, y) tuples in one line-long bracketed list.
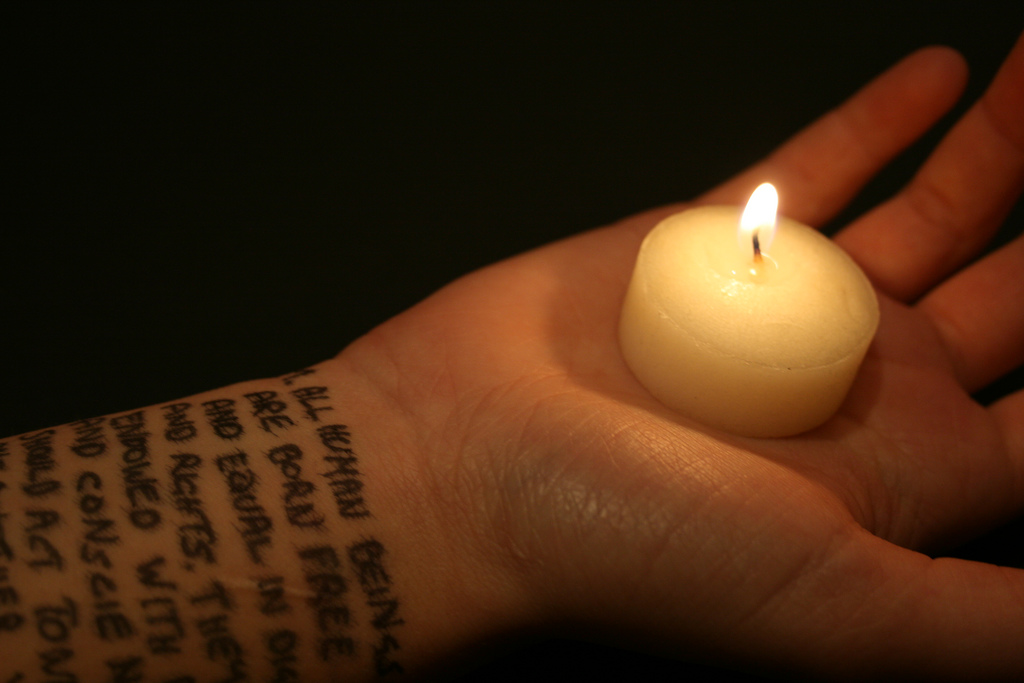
[(744, 325)]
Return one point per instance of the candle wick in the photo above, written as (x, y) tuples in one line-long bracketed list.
[(757, 248)]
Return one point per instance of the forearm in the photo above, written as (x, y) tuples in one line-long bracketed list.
[(272, 530)]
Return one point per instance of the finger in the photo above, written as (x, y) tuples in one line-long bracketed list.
[(877, 611), (956, 201), (820, 169), (1009, 414), (979, 314)]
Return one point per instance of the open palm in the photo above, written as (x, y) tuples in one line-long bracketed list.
[(613, 517)]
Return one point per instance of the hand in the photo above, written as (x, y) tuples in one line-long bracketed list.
[(595, 510)]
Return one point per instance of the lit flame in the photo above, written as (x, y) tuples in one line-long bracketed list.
[(757, 225)]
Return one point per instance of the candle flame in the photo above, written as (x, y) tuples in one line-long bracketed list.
[(757, 225)]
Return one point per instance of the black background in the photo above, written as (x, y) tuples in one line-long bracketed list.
[(198, 194)]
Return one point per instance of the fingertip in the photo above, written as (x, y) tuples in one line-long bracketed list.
[(942, 66), (1009, 415), (943, 55), (1004, 99)]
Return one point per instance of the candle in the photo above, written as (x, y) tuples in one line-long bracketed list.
[(757, 329)]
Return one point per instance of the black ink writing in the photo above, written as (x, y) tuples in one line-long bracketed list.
[(40, 520), (165, 626), (53, 658), (216, 595), (90, 440), (272, 597), (6, 552), (297, 491), (321, 568), (196, 536), (150, 574), (367, 559), (281, 646), (220, 413), (54, 622), (141, 488), (111, 623), (39, 462), (165, 629), (101, 531), (343, 478), (309, 398), (11, 617), (290, 378), (125, 670), (255, 525), (43, 553), (268, 410), (220, 644), (337, 438), (180, 427)]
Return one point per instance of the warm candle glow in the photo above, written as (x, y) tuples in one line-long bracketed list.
[(757, 348), (757, 224)]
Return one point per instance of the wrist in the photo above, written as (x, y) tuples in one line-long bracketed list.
[(283, 528), (460, 593)]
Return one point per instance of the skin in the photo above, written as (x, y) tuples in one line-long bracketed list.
[(605, 515), (523, 482)]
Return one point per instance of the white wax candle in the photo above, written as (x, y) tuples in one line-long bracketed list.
[(765, 348)]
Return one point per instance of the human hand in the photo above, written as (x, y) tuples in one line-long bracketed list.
[(594, 510)]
